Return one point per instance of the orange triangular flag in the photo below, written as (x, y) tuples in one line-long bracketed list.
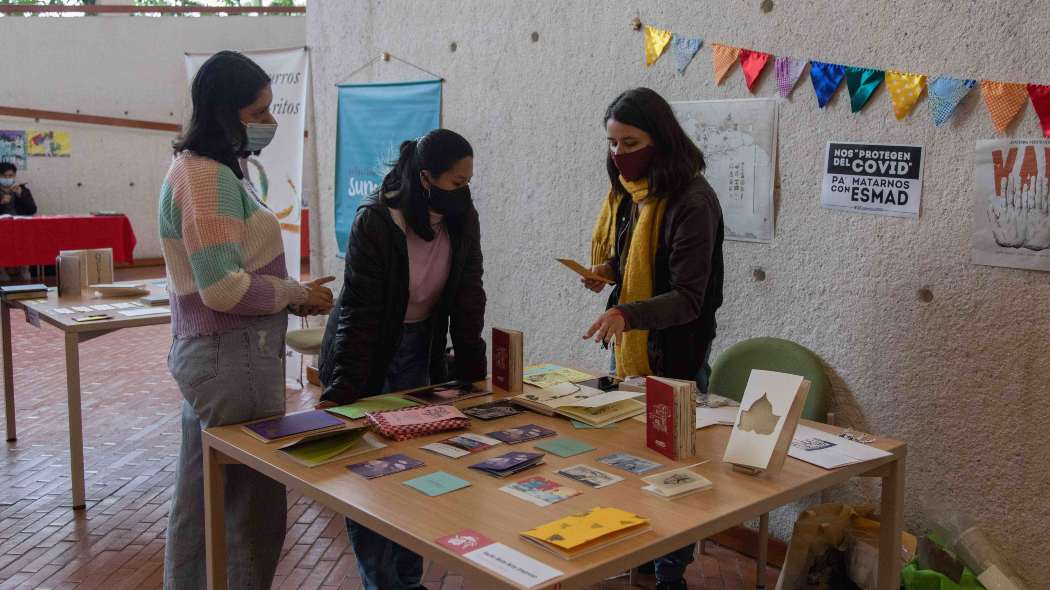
[(656, 42), (724, 58), (1004, 101)]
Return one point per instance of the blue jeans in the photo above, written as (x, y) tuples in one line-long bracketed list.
[(382, 563), (671, 567), (227, 378)]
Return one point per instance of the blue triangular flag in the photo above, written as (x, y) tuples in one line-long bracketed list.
[(946, 94), (826, 79), (683, 49)]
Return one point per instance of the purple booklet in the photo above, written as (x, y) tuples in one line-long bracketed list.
[(384, 466), (520, 434), (509, 463), (293, 425)]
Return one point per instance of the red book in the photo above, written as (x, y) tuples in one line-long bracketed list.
[(660, 417), (507, 360)]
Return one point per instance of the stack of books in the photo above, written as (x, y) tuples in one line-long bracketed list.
[(16, 292), (676, 483), (591, 406), (580, 534), (293, 425), (670, 417)]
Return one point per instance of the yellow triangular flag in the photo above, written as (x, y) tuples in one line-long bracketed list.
[(656, 42), (724, 57), (905, 90)]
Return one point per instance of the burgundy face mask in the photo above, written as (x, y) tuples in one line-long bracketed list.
[(634, 165)]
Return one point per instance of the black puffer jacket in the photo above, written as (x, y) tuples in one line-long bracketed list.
[(687, 281), (364, 328)]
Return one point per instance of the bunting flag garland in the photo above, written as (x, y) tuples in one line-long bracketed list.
[(752, 62), (1004, 101), (946, 94), (724, 57), (656, 41), (683, 49), (788, 71), (862, 83), (1040, 95), (826, 80), (905, 90)]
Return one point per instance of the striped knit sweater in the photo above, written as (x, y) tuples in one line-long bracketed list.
[(223, 250)]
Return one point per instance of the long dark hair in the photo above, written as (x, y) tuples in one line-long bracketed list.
[(436, 152), (676, 159), (224, 85)]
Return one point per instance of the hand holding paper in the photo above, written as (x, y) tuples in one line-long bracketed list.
[(591, 277)]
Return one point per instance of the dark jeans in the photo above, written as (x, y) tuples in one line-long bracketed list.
[(671, 567), (382, 563)]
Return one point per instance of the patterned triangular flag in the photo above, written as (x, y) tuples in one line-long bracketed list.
[(905, 90), (724, 57), (1004, 101), (683, 49), (788, 70), (1040, 95), (656, 41), (752, 62), (826, 79), (946, 94), (861, 83)]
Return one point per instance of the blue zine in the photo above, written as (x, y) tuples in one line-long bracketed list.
[(437, 483)]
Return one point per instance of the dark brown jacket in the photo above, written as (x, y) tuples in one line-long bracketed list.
[(364, 328), (687, 281)]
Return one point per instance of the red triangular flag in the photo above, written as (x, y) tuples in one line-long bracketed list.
[(752, 62), (1040, 95)]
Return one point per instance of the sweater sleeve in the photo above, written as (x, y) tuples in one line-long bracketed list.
[(24, 203), (214, 218)]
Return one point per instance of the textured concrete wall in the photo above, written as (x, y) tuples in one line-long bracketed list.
[(126, 67), (962, 378)]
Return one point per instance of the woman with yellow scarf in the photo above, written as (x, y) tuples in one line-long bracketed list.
[(658, 239)]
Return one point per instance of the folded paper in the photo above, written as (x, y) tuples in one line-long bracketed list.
[(1004, 101), (724, 57), (656, 41), (905, 90), (861, 83), (945, 95), (752, 62), (788, 71), (826, 79), (683, 49)]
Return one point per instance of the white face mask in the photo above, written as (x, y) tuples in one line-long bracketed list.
[(259, 135), (7, 182)]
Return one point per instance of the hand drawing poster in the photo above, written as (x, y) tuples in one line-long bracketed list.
[(1011, 213), (47, 143), (13, 148), (739, 142)]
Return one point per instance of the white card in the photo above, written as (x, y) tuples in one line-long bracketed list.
[(826, 450), (102, 307), (82, 309), (446, 450), (63, 310), (146, 311), (123, 305), (513, 565)]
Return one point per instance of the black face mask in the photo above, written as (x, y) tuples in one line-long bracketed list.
[(449, 203)]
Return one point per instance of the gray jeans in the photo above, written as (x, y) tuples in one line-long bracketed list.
[(225, 379)]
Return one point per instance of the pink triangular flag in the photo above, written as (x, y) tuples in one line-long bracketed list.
[(788, 71)]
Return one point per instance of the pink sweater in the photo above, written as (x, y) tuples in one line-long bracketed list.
[(428, 267)]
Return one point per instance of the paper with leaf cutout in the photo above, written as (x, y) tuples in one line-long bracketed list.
[(766, 420), (580, 533)]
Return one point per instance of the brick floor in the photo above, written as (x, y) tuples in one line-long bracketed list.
[(131, 440)]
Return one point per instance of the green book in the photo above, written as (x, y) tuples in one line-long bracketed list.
[(329, 446), (565, 447), (361, 407)]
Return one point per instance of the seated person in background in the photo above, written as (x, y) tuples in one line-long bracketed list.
[(15, 199)]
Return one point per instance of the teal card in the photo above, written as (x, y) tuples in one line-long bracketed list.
[(585, 426), (437, 483), (565, 447)]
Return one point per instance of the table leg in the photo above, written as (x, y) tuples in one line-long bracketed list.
[(891, 526), (763, 551), (214, 521), (76, 433), (9, 370)]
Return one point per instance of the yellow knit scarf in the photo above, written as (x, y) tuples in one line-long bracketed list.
[(632, 352)]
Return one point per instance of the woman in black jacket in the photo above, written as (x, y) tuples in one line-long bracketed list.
[(412, 277), (659, 240)]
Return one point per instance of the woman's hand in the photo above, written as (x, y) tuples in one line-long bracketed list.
[(318, 297), (610, 326), (603, 270)]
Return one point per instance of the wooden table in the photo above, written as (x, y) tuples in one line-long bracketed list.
[(415, 521), (75, 333)]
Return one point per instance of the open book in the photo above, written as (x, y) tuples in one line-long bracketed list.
[(591, 406)]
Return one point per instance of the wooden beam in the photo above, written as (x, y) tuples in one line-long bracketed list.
[(88, 119), (46, 9)]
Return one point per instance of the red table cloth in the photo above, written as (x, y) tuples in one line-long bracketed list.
[(37, 240)]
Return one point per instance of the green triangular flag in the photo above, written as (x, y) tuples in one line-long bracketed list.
[(862, 82)]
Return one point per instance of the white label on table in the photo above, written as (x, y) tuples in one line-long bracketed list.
[(123, 305), (147, 311), (512, 564), (63, 310), (33, 317), (102, 307), (82, 309)]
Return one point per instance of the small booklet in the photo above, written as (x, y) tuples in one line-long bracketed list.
[(461, 445), (507, 363), (289, 425), (520, 434), (829, 451), (546, 375), (97, 317), (385, 466), (418, 421), (509, 464), (540, 491), (589, 476), (583, 271), (493, 410), (580, 534), (318, 449), (446, 394), (358, 409), (629, 462), (676, 483), (437, 483), (565, 446)]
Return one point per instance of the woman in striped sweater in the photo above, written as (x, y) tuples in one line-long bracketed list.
[(230, 297)]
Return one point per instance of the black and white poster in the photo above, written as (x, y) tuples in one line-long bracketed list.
[(873, 178)]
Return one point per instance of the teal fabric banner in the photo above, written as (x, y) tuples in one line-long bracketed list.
[(373, 120)]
